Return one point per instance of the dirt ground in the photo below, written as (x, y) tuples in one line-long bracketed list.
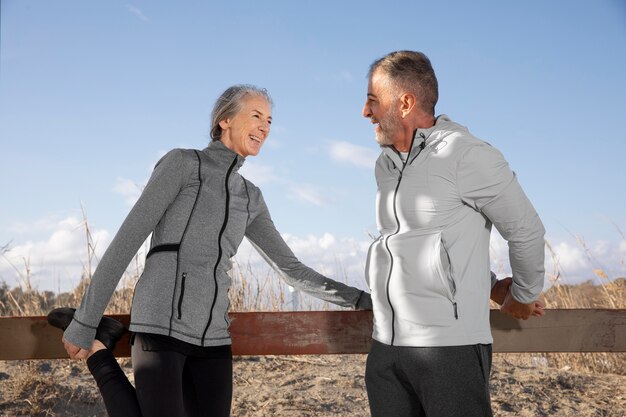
[(302, 386)]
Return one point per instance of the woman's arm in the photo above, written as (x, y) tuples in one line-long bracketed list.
[(269, 243), (161, 190)]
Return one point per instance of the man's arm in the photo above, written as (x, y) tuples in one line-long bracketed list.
[(487, 184)]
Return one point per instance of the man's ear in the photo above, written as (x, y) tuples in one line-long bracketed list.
[(407, 104)]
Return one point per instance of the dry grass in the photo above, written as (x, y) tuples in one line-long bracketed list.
[(32, 392), (609, 293), (252, 290), (42, 388)]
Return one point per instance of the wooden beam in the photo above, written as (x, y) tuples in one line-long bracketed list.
[(567, 330), (294, 333), (327, 332)]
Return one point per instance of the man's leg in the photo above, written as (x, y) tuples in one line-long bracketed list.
[(388, 389), (450, 380)]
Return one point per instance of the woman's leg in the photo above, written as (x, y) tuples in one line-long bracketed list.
[(158, 379), (208, 385), (117, 392)]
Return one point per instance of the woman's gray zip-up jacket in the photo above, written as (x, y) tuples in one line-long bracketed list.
[(198, 209), (429, 269)]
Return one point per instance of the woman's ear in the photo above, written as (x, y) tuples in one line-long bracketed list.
[(224, 124)]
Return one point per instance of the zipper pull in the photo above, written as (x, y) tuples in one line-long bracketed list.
[(456, 311)]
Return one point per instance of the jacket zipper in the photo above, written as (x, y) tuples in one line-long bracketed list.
[(182, 295), (219, 246), (395, 214)]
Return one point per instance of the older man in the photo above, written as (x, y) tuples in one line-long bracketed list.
[(440, 189)]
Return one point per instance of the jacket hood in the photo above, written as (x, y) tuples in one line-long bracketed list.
[(443, 127)]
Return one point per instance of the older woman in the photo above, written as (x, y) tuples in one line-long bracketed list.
[(198, 209)]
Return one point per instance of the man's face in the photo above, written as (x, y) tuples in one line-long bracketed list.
[(382, 108)]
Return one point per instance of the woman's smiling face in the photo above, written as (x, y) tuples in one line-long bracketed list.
[(246, 132)]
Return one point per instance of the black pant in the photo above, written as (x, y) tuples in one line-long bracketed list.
[(428, 381), (169, 384)]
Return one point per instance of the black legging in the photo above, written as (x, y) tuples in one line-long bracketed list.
[(168, 384)]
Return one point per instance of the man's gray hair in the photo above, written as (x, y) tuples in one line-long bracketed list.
[(230, 103), (410, 71)]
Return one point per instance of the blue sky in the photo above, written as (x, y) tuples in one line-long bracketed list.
[(92, 93)]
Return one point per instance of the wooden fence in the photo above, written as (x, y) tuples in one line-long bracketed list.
[(328, 332)]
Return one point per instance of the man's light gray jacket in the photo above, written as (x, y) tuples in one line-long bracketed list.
[(429, 270), (199, 208)]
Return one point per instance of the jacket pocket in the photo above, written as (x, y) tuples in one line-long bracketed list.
[(182, 295), (443, 270), (417, 290)]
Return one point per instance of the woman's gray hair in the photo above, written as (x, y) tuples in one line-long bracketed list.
[(230, 103)]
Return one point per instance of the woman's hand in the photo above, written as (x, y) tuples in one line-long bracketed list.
[(76, 352)]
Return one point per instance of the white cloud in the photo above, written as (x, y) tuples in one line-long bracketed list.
[(134, 10), (43, 224), (129, 189), (340, 258), (258, 173), (57, 261), (261, 174), (327, 241), (356, 155), (308, 193), (567, 261), (572, 262), (601, 247)]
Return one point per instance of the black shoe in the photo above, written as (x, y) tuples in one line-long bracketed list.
[(109, 330)]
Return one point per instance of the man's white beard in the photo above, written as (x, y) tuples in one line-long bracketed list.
[(384, 133), (382, 139)]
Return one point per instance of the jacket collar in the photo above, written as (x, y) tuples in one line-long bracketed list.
[(424, 138), (223, 156), (430, 135)]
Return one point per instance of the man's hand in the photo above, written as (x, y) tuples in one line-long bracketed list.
[(500, 289), (501, 294), (522, 311)]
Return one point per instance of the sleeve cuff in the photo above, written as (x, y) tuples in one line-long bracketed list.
[(79, 335)]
